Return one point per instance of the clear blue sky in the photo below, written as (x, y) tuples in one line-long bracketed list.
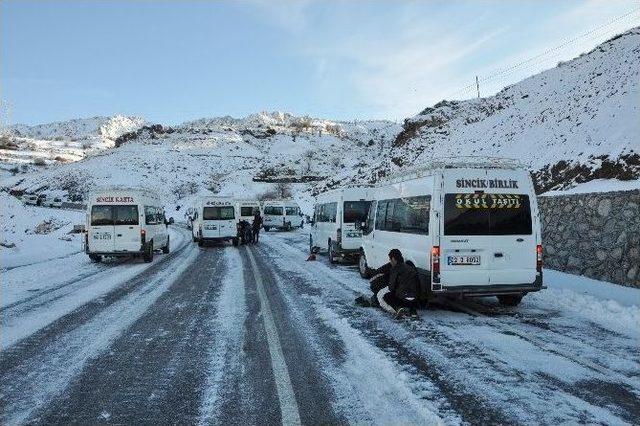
[(171, 61)]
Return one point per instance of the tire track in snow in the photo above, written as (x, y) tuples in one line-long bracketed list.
[(410, 343), (368, 386), (30, 382), (83, 298), (224, 354), (153, 372)]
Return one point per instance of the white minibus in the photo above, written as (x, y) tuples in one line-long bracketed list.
[(283, 215), (30, 199), (215, 220), (335, 227), (125, 222), (471, 228), (51, 201), (247, 209)]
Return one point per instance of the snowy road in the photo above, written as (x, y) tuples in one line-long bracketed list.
[(256, 335)]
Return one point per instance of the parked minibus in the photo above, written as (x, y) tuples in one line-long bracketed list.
[(247, 209), (471, 228), (52, 201), (335, 226), (283, 215), (30, 199), (215, 220), (125, 222)]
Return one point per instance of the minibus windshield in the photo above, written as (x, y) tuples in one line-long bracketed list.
[(218, 213), (487, 214), (273, 210), (114, 215), (355, 211)]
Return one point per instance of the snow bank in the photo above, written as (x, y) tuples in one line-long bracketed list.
[(35, 234), (611, 306)]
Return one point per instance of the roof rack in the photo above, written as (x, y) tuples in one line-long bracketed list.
[(473, 162)]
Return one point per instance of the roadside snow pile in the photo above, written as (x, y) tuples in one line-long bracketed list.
[(34, 234), (611, 306)]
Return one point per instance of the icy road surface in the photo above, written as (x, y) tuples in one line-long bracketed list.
[(256, 335)]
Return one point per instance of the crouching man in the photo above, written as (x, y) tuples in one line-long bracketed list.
[(394, 286)]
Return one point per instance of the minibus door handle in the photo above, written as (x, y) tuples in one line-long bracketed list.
[(498, 254)]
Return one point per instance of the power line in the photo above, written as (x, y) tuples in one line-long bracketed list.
[(509, 69)]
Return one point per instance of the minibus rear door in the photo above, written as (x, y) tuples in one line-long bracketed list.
[(101, 235), (465, 247)]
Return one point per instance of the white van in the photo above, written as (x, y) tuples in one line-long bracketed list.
[(470, 228), (283, 215), (51, 201), (335, 227), (30, 199), (215, 220), (247, 209), (125, 222)]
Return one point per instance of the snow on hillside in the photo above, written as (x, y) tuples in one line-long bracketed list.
[(241, 157), (32, 234), (63, 141), (570, 124)]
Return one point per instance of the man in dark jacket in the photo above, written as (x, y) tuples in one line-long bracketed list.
[(256, 225), (403, 287), (394, 286)]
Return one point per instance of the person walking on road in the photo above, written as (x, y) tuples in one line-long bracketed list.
[(256, 225)]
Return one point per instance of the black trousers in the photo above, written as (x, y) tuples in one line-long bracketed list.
[(397, 303), (256, 234)]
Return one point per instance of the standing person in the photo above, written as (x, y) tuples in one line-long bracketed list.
[(256, 225)]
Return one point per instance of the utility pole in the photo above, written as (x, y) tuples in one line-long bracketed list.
[(478, 86)]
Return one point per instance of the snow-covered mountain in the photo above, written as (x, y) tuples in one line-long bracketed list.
[(63, 141), (570, 124), (574, 123)]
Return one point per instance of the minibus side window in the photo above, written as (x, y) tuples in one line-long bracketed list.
[(291, 211), (125, 215), (101, 215), (333, 211), (370, 218), (273, 210), (246, 211), (381, 215), (411, 215)]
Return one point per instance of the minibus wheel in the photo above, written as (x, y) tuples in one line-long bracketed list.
[(235, 242), (510, 299), (95, 258), (363, 268), (165, 249), (148, 253)]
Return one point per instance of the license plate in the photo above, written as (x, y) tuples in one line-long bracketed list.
[(463, 260), (102, 236)]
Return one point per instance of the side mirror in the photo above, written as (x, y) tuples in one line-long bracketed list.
[(171, 221)]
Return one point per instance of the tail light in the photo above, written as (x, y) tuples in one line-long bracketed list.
[(143, 236), (435, 264), (339, 235), (539, 258)]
